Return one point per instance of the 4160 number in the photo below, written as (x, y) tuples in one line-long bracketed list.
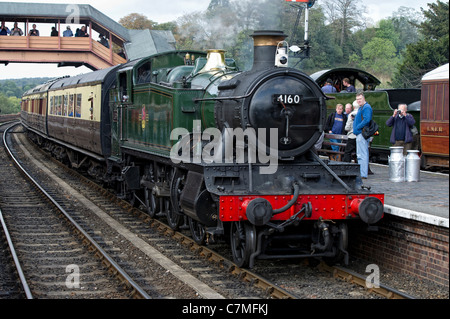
[(288, 98)]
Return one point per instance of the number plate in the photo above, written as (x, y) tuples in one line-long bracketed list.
[(287, 99)]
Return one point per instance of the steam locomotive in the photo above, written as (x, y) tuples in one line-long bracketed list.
[(187, 135)]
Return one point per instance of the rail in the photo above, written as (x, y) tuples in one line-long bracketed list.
[(245, 275), (355, 278), (138, 291), (12, 250)]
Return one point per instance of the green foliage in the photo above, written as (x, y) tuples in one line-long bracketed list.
[(428, 53), (338, 33), (137, 21), (9, 105), (436, 24), (11, 92), (388, 32), (379, 56)]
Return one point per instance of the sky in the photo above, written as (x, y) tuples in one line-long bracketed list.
[(164, 11)]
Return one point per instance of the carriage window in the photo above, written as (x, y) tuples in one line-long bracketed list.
[(58, 105), (51, 105), (71, 105), (143, 74), (65, 104), (41, 106), (78, 106)]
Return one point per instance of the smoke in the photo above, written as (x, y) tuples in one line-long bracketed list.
[(228, 27), (221, 25)]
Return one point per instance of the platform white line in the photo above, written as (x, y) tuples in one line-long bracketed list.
[(411, 214)]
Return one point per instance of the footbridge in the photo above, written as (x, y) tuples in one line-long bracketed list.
[(117, 46)]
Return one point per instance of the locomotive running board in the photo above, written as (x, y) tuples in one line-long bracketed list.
[(331, 172)]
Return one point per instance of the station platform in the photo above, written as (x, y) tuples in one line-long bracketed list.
[(426, 200)]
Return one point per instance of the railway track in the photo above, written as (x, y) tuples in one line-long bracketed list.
[(185, 252), (128, 239), (50, 250)]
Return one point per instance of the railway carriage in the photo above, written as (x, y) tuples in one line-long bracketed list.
[(187, 135), (434, 118), (34, 108), (75, 120)]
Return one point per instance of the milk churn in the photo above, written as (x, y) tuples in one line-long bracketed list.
[(396, 164), (412, 166)]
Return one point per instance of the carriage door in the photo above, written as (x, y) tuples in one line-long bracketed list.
[(123, 103)]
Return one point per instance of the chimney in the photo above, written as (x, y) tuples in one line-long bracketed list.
[(265, 47)]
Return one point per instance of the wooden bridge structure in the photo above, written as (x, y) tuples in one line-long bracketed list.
[(65, 51)]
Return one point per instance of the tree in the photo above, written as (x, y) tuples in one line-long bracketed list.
[(405, 21), (343, 15), (137, 21), (379, 56), (435, 25), (9, 105), (218, 5), (386, 30), (428, 53)]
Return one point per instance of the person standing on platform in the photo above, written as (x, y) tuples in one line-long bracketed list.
[(54, 32), (34, 31), (4, 30), (67, 32), (83, 32), (362, 118), (335, 125), (350, 148), (348, 109), (16, 31), (402, 123)]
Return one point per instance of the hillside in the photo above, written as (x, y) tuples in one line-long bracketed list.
[(11, 92)]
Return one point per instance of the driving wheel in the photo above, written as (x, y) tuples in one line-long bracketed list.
[(198, 231), (243, 242)]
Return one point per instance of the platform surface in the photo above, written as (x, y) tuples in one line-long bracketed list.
[(426, 200)]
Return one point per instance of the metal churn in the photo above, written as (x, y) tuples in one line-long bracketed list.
[(396, 164), (412, 166)]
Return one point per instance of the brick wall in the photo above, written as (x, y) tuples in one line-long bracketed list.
[(407, 246)]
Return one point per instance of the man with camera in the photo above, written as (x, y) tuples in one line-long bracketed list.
[(402, 123)]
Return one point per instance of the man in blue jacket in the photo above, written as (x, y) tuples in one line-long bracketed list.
[(401, 133), (362, 118)]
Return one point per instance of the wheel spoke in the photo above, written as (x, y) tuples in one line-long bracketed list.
[(243, 242)]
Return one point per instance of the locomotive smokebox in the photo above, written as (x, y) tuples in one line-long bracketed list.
[(284, 106), (265, 48)]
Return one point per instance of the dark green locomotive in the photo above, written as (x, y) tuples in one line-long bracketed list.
[(192, 138)]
